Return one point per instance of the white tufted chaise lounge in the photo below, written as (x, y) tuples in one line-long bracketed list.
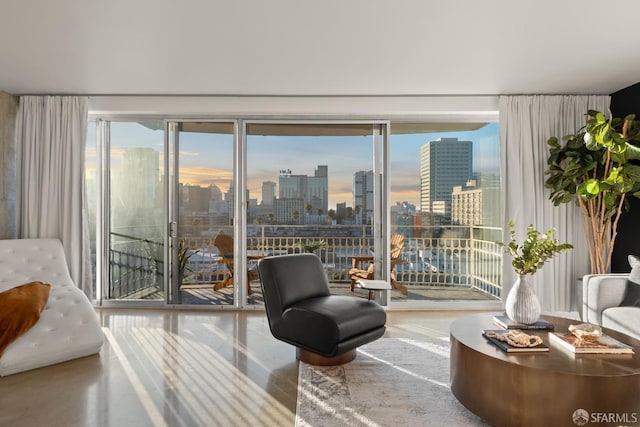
[(68, 327)]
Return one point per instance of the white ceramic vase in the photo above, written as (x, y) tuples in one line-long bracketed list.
[(522, 304)]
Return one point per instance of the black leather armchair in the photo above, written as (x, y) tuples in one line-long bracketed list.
[(326, 329)]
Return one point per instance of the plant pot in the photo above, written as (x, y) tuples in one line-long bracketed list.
[(522, 304)]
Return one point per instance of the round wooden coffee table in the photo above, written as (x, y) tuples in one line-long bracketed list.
[(542, 389)]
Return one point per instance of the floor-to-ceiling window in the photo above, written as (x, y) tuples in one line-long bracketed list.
[(137, 210), (342, 189), (129, 204), (311, 188), (203, 212), (445, 200)]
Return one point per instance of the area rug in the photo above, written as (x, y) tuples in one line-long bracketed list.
[(392, 382)]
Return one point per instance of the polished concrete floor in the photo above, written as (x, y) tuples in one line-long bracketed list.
[(178, 368)]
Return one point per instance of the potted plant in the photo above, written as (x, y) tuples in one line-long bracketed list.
[(184, 254), (592, 168), (311, 246), (521, 304), (155, 251)]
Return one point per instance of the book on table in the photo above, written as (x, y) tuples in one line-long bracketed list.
[(503, 321), (506, 347), (603, 345)]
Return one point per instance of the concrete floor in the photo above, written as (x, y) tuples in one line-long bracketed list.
[(178, 368)]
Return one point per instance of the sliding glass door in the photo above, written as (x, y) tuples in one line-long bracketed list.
[(135, 211), (202, 153), (186, 209), (445, 200), (315, 187)]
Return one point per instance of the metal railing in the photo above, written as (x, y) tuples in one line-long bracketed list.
[(135, 266), (461, 257)]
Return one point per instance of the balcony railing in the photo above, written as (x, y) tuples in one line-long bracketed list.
[(135, 265), (461, 257)]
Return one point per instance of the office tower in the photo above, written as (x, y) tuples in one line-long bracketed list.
[(268, 193), (216, 193), (195, 198), (141, 178), (363, 196), (444, 164), (229, 198), (218, 213), (474, 205), (289, 210), (341, 212), (318, 190), (292, 186)]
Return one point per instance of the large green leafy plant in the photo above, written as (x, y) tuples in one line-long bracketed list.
[(534, 251), (594, 168)]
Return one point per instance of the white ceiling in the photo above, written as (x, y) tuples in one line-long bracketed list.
[(322, 47)]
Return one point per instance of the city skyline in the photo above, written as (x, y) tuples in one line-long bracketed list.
[(207, 158)]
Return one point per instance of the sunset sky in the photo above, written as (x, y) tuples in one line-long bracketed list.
[(207, 158)]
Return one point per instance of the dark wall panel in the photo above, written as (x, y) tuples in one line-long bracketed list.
[(624, 102)]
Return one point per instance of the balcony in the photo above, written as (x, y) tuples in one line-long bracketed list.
[(438, 263)]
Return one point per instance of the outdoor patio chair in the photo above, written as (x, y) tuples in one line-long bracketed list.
[(325, 329), (362, 266), (224, 245)]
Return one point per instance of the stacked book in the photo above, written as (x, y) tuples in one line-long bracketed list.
[(503, 321), (565, 340), (604, 344), (498, 337)]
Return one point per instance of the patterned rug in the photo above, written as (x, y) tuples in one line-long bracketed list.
[(392, 382)]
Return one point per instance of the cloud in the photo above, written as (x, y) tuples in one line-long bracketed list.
[(204, 177)]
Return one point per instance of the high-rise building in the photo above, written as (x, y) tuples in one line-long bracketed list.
[(363, 196), (216, 193), (268, 193), (289, 210), (195, 198), (444, 164), (313, 190), (229, 198), (474, 205), (142, 177), (318, 190), (292, 186), (218, 213)]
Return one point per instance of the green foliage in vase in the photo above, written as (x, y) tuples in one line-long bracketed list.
[(537, 248)]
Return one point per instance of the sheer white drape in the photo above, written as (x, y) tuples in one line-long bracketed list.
[(50, 202), (526, 123)]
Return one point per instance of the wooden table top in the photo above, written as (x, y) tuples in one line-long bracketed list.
[(467, 331)]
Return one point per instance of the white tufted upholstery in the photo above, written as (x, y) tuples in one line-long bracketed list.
[(68, 328)]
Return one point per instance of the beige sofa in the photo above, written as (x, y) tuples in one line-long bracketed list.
[(601, 298)]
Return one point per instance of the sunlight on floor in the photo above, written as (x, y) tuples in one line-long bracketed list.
[(193, 382)]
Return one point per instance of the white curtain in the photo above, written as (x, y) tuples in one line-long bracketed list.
[(50, 202), (526, 123)]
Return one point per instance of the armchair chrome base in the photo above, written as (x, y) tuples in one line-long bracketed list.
[(315, 359)]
